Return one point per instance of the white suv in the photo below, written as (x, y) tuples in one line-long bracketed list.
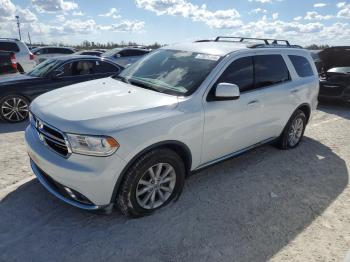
[(133, 138), (46, 52), (25, 59)]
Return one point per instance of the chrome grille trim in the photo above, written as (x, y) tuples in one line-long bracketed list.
[(47, 138)]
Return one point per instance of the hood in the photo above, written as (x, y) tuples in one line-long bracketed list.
[(15, 78), (103, 104), (335, 57)]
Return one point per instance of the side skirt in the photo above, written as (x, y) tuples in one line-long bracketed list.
[(234, 154)]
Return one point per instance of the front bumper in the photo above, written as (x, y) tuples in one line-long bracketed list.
[(53, 190), (92, 177)]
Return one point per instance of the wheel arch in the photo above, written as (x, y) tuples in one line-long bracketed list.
[(179, 147), (306, 108)]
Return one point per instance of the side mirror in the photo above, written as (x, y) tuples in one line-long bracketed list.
[(226, 91), (56, 74)]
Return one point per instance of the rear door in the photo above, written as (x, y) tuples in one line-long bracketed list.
[(271, 95)]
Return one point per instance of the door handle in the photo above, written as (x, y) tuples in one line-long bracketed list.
[(294, 91)]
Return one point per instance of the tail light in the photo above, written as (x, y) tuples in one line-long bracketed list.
[(13, 61), (31, 56)]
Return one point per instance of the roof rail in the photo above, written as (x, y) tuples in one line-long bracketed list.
[(7, 38), (242, 39)]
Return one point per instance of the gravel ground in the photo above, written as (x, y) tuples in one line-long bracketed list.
[(264, 205)]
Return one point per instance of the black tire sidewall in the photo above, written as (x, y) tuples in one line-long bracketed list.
[(298, 114), (137, 171), (5, 98)]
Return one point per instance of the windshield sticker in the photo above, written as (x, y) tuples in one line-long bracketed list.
[(208, 57)]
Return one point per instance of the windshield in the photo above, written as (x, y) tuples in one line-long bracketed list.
[(111, 52), (170, 71), (44, 68)]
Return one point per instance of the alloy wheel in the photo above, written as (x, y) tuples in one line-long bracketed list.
[(156, 186), (296, 131), (14, 109)]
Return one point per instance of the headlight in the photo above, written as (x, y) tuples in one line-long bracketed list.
[(92, 145)]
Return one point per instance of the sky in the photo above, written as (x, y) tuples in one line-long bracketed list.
[(302, 22)]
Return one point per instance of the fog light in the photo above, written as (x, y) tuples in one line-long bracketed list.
[(70, 193)]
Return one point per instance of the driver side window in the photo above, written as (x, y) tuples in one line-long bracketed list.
[(240, 73)]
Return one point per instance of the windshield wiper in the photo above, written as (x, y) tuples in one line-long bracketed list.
[(123, 79), (143, 85)]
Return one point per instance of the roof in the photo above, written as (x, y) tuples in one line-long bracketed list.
[(84, 57), (212, 48), (224, 45)]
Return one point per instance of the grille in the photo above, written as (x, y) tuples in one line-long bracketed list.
[(51, 137)]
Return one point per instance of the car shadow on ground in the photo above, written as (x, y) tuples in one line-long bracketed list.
[(6, 127), (338, 108), (245, 209)]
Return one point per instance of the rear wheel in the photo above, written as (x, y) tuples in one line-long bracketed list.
[(151, 183), (14, 108), (293, 132)]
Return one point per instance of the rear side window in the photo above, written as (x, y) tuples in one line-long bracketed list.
[(240, 73), (66, 51), (301, 65), (9, 46), (104, 67), (270, 70)]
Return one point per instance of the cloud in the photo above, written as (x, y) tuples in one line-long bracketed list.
[(113, 12), (313, 15), (261, 1), (257, 11), (274, 16), (298, 18), (216, 19), (344, 10), (54, 5), (77, 13), (320, 5), (126, 26), (7, 10)]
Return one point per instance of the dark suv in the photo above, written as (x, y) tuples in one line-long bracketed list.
[(335, 73)]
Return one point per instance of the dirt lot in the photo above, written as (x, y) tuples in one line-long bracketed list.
[(265, 205)]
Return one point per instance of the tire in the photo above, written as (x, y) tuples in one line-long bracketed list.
[(14, 108), (286, 141), (137, 181)]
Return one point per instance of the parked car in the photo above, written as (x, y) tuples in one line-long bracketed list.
[(125, 56), (8, 63), (46, 52), (16, 92), (335, 79), (25, 59), (89, 52), (132, 139)]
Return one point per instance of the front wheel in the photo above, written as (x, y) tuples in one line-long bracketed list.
[(151, 183), (293, 132), (14, 108)]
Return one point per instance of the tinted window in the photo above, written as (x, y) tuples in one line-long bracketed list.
[(9, 46), (104, 67), (65, 51), (132, 53), (78, 68), (301, 65), (240, 73), (270, 70)]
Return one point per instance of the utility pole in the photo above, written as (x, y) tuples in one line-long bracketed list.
[(30, 40), (19, 27)]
